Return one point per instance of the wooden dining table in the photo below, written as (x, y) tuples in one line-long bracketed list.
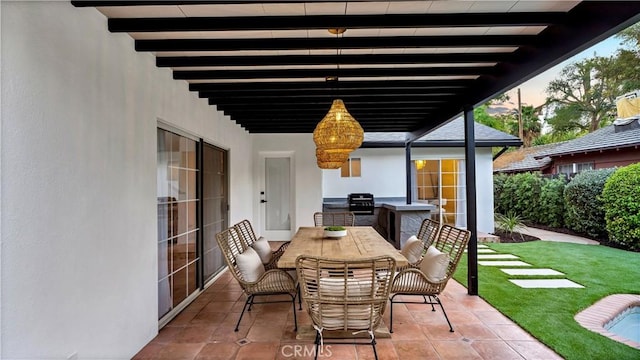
[(360, 242)]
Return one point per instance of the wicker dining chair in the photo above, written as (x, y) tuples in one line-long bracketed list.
[(429, 279), (334, 219), (267, 282), (247, 234), (427, 233), (345, 295)]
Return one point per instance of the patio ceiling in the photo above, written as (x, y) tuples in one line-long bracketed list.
[(403, 66)]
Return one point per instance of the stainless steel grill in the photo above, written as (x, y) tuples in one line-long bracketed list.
[(361, 203)]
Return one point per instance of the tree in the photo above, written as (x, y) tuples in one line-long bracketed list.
[(585, 92), (530, 124)]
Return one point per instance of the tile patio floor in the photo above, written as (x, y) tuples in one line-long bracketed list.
[(204, 330)]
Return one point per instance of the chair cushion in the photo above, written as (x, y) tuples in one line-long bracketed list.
[(335, 287), (353, 317), (250, 265), (434, 264), (412, 249), (261, 246)]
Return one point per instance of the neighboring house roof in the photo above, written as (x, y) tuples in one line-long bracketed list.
[(448, 135), (605, 138), (524, 159)]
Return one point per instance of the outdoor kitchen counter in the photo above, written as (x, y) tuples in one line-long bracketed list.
[(393, 218)]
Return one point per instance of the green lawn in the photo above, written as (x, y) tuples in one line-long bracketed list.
[(548, 314)]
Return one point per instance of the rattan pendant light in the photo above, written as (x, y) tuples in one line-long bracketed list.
[(330, 160), (337, 134)]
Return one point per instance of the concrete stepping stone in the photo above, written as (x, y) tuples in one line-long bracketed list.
[(505, 263), (480, 246), (484, 251), (531, 272), (496, 256), (546, 283)]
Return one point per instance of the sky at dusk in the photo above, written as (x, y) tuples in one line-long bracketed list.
[(533, 91)]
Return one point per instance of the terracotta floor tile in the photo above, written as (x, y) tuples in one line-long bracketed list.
[(196, 334), (384, 348), (167, 334), (208, 318), (459, 316), (339, 351), (180, 351), (492, 317), (219, 306), (149, 352), (440, 332), (266, 332), (533, 350), (228, 295), (258, 351), (204, 330), (457, 349), (495, 350), (218, 351), (297, 351), (407, 331), (476, 332), (184, 317), (511, 332), (429, 317), (415, 350)]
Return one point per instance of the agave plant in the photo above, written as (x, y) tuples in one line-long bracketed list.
[(509, 223)]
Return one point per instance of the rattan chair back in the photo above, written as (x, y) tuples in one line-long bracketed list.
[(428, 232), (345, 294), (452, 241), (246, 232), (231, 245), (334, 219)]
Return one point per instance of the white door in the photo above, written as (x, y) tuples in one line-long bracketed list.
[(276, 195)]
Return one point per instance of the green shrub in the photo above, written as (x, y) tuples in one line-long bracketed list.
[(498, 184), (621, 200), (508, 192), (551, 209), (520, 194), (527, 201), (584, 210)]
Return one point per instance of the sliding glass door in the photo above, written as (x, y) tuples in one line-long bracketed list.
[(192, 202), (442, 183)]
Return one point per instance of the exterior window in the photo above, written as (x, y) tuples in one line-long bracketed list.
[(565, 169), (584, 166), (574, 168), (442, 183), (351, 168)]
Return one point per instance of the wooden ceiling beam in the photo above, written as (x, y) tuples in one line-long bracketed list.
[(323, 22)]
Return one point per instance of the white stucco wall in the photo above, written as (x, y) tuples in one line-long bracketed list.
[(78, 243), (384, 175), (307, 175)]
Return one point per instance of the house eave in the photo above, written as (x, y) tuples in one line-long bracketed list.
[(587, 151), (441, 143)]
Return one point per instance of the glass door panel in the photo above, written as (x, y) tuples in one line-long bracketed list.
[(214, 207), (277, 192), (177, 219)]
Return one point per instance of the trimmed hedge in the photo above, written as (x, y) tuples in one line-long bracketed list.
[(584, 209), (551, 211), (621, 201), (534, 198), (498, 185)]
